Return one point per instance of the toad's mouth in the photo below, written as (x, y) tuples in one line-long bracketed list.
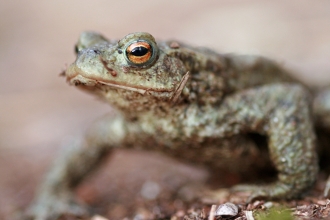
[(126, 87), (81, 80), (78, 79)]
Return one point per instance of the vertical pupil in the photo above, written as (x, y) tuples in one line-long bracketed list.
[(139, 51)]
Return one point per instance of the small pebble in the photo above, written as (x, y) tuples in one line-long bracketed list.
[(227, 209), (98, 217), (150, 190)]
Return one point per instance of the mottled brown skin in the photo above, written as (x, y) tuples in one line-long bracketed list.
[(190, 103)]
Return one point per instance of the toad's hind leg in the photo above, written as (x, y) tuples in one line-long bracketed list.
[(281, 111)]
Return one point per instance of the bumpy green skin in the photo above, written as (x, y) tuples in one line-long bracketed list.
[(193, 104)]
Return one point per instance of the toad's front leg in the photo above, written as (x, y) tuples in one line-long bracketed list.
[(282, 113), (55, 196)]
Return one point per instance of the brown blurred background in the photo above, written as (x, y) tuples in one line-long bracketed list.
[(39, 111)]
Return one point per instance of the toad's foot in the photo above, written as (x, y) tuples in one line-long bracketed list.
[(52, 208), (271, 191)]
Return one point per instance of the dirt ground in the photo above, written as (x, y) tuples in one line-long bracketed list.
[(39, 112)]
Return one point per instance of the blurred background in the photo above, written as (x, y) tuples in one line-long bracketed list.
[(39, 112)]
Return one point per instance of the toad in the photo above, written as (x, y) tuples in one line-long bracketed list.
[(193, 104)]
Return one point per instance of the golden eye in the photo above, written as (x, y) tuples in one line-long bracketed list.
[(139, 52)]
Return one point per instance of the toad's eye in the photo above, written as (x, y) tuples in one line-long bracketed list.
[(139, 53)]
